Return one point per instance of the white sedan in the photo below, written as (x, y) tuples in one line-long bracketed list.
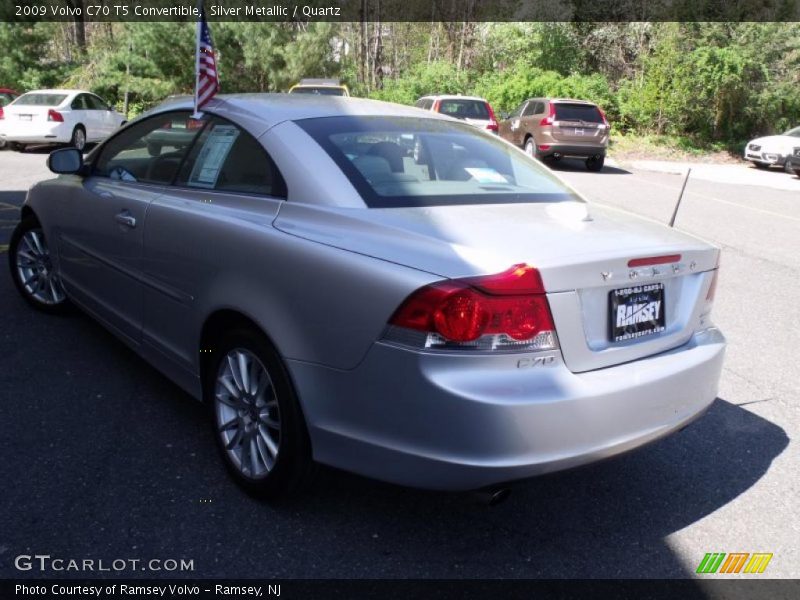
[(75, 117), (771, 150)]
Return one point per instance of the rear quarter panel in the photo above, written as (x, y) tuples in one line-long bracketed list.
[(212, 252)]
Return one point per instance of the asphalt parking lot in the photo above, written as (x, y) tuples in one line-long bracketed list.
[(104, 458)]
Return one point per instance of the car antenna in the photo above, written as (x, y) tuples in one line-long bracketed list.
[(678, 204)]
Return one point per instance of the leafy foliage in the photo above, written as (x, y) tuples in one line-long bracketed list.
[(715, 83)]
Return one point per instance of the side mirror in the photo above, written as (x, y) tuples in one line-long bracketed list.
[(66, 161)]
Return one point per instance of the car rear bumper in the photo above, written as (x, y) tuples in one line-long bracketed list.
[(448, 422), (571, 150), (39, 133)]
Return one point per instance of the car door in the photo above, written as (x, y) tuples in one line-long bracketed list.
[(79, 111), (107, 119), (528, 122), (102, 228), (228, 191), (516, 134)]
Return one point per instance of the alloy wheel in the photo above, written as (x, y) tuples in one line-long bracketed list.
[(35, 269), (79, 139), (247, 415)]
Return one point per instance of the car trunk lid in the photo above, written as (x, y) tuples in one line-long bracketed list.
[(582, 259), (26, 113), (577, 123)]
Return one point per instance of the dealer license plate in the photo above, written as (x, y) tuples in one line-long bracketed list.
[(636, 311)]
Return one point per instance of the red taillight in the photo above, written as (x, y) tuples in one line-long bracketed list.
[(654, 260), (602, 114), (544, 146), (551, 117), (492, 126), (2, 116), (511, 303), (54, 115)]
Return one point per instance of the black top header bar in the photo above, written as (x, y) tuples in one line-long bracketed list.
[(21, 11)]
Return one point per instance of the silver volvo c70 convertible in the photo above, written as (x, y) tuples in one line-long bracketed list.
[(377, 288)]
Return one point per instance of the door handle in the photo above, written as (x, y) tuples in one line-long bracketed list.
[(125, 218)]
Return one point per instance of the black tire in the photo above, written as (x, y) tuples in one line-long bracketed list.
[(787, 166), (78, 139), (29, 224), (16, 146), (293, 465), (595, 163)]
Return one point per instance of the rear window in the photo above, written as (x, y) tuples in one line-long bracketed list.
[(464, 109), (322, 91), (578, 112), (407, 161), (40, 99)]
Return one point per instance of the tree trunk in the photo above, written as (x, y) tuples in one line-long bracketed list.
[(80, 25)]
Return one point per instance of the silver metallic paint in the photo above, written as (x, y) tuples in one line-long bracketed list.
[(320, 274)]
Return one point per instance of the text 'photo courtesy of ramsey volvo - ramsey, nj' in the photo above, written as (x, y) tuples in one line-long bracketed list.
[(375, 287)]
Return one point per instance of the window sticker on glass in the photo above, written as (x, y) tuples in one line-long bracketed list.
[(212, 156), (484, 175)]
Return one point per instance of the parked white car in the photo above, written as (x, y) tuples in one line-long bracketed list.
[(75, 117), (470, 109), (771, 150)]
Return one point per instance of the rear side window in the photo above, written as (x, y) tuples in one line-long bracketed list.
[(408, 161), (5, 98), (228, 159), (150, 151), (40, 99), (80, 103), (464, 109), (578, 112), (530, 109)]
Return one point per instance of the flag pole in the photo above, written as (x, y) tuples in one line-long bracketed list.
[(196, 114)]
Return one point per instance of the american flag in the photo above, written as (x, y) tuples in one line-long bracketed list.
[(207, 78)]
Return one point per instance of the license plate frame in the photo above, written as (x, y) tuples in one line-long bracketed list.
[(26, 117), (636, 311)]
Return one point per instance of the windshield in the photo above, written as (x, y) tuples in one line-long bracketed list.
[(322, 90), (408, 161), (40, 99), (793, 132)]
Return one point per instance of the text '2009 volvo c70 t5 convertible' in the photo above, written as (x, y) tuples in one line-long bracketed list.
[(377, 288)]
